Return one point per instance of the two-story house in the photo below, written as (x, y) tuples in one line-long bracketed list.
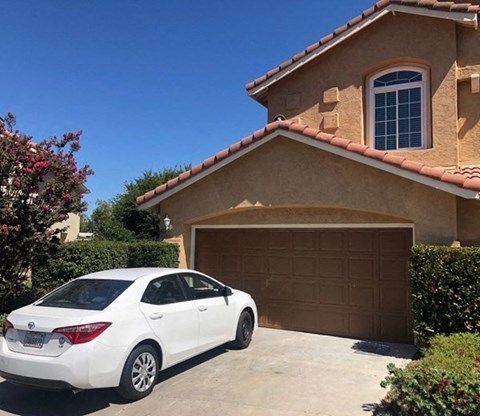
[(372, 145)]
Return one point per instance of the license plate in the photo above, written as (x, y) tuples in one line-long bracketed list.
[(34, 339)]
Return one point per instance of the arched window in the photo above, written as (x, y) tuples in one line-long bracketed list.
[(397, 106)]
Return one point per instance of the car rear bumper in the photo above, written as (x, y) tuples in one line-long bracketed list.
[(84, 366), (36, 383)]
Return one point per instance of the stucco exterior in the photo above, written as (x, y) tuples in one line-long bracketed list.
[(286, 182), (390, 41), (72, 225)]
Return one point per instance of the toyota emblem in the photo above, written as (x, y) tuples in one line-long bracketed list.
[(31, 325)]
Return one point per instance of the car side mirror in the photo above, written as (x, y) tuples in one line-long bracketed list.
[(227, 291)]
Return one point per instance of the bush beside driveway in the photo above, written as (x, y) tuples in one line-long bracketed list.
[(281, 373)]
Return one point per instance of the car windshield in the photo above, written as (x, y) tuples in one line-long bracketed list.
[(94, 294)]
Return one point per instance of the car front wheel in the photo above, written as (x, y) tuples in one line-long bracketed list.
[(244, 331), (139, 373)]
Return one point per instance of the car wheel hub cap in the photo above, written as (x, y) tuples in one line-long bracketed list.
[(143, 372)]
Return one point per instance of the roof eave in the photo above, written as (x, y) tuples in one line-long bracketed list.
[(470, 19)]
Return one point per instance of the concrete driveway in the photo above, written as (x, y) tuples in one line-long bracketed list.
[(281, 373)]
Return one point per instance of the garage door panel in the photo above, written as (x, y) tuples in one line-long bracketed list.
[(333, 294), (279, 265), (393, 268), (364, 241), (305, 240), (347, 282), (361, 325), (305, 292), (334, 267), (394, 242), (393, 298), (332, 241), (362, 296), (279, 316), (255, 239), (304, 266), (253, 286), (304, 318), (253, 263), (209, 262), (279, 240), (332, 321), (362, 268), (230, 241), (231, 263), (277, 290)]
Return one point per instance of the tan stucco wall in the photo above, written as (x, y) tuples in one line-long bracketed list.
[(308, 185), (468, 222), (468, 62), (392, 40), (73, 227)]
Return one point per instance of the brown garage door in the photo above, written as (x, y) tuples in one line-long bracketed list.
[(347, 282)]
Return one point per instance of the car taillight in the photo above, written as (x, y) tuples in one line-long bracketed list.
[(79, 334), (6, 326)]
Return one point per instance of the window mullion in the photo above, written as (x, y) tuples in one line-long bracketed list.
[(397, 116)]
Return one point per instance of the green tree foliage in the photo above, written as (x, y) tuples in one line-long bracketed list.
[(40, 184), (106, 226), (121, 220)]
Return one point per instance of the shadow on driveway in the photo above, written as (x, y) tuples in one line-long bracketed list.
[(18, 400), (386, 349)]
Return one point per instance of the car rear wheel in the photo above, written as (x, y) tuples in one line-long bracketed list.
[(244, 331), (139, 373)]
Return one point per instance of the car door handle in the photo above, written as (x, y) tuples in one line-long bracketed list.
[(156, 315), (202, 308)]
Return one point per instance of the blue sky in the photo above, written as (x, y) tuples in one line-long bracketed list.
[(151, 83)]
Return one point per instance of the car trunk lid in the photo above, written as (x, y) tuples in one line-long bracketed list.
[(33, 326)]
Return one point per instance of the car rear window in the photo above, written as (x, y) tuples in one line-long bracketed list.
[(94, 294)]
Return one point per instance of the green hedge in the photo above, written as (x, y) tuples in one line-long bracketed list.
[(445, 285), (83, 257), (446, 382)]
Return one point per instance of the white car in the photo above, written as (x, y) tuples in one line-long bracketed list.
[(118, 328)]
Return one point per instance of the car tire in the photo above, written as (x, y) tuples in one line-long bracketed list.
[(244, 331), (139, 373)]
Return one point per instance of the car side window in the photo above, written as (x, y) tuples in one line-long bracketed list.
[(201, 287), (164, 290)]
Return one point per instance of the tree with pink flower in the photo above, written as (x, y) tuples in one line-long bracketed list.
[(40, 184)]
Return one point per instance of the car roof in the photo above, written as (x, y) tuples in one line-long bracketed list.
[(134, 273)]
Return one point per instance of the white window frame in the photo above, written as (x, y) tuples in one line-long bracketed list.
[(424, 107)]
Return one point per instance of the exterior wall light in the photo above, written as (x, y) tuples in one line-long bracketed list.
[(168, 223)]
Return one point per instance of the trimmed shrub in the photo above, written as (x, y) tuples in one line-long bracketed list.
[(446, 382), (83, 257), (152, 254), (445, 284), (2, 318)]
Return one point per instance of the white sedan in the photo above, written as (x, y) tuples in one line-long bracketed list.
[(118, 328)]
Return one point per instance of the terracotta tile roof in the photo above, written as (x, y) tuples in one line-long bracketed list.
[(447, 6), (460, 180), (472, 172)]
